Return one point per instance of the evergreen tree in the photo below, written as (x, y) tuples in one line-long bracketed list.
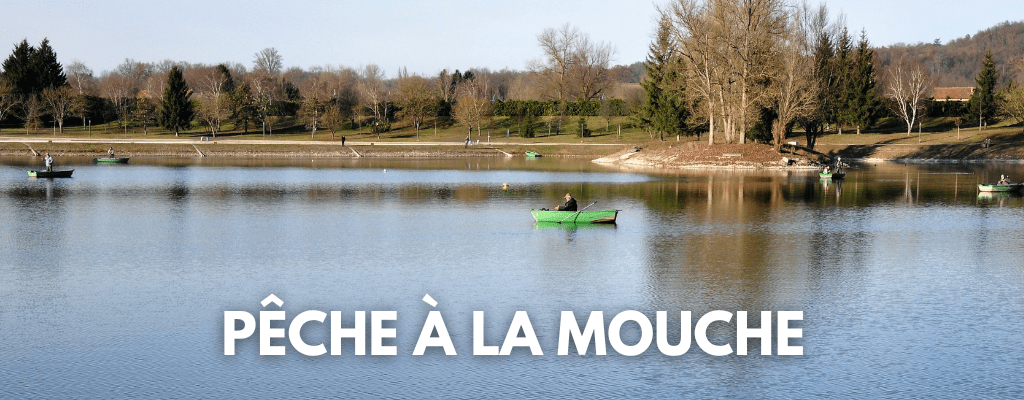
[(49, 72), (244, 104), (663, 110), (836, 113), (827, 77), (18, 69), (176, 109), (31, 70), (862, 100), (983, 101)]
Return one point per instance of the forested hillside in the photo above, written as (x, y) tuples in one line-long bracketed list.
[(957, 62)]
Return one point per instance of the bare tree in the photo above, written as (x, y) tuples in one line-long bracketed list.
[(729, 50), (413, 96), (262, 84), (268, 60), (212, 110), (9, 99), (794, 87), (574, 66), (907, 88), (120, 91), (59, 102), (313, 105), (375, 96), (80, 77), (473, 105)]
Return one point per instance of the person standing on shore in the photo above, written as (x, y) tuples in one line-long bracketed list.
[(342, 140)]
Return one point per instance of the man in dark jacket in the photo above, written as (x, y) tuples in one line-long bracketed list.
[(570, 204)]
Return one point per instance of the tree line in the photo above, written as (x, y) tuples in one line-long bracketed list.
[(574, 79), (756, 69), (733, 70)]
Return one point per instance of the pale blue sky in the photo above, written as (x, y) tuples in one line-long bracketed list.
[(424, 36)]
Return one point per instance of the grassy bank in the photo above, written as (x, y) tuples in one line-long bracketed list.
[(938, 140)]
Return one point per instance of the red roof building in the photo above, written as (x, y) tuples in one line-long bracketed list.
[(953, 93)]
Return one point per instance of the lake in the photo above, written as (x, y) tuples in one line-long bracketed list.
[(114, 283)]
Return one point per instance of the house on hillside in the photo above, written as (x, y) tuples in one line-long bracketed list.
[(961, 94)]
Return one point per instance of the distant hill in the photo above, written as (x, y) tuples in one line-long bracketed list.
[(957, 62)]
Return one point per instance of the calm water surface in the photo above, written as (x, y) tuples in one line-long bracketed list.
[(114, 283)]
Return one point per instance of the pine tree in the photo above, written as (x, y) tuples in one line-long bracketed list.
[(18, 69), (49, 72), (842, 67), (176, 109), (862, 101), (663, 110), (983, 100), (31, 70)]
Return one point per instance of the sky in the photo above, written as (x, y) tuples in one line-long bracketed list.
[(422, 36)]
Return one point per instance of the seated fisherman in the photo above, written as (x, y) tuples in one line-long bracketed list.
[(570, 204)]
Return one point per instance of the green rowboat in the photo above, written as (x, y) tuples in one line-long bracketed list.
[(112, 160), (1000, 188), (533, 154), (574, 217), (50, 174)]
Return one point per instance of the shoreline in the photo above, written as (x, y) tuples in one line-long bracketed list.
[(665, 156)]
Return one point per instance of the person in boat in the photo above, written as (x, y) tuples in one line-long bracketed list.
[(570, 204), (1004, 180), (110, 152), (49, 162), (839, 164), (826, 170)]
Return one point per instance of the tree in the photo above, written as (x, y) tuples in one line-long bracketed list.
[(80, 77), (313, 105), (268, 60), (19, 71), (574, 66), (244, 104), (862, 102), (664, 109), (212, 110), (59, 102), (826, 75), (983, 101), (794, 87), (375, 97), (30, 69), (9, 98), (144, 112), (1011, 104), (263, 98), (907, 88), (120, 90), (414, 99), (176, 110), (48, 71)]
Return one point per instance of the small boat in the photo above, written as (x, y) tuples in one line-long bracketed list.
[(50, 174), (112, 160), (533, 154), (576, 217), (832, 175), (1000, 188)]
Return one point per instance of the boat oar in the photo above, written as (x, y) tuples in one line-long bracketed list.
[(577, 212)]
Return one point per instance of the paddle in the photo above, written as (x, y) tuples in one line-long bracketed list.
[(577, 212)]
